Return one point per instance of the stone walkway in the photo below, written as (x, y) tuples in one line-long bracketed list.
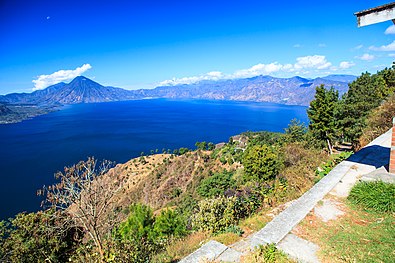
[(338, 182)]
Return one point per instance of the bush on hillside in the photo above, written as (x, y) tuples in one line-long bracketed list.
[(215, 215), (261, 163), (216, 184)]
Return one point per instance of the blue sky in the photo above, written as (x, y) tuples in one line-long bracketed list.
[(143, 44)]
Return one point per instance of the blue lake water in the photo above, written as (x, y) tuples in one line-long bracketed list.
[(33, 150)]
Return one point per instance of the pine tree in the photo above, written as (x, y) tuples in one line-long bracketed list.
[(322, 114)]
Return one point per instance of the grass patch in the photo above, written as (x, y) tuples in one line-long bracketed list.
[(267, 253), (377, 196), (359, 236)]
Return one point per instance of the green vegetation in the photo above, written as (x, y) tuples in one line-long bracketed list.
[(322, 114), (261, 163), (378, 196), (334, 160), (216, 185), (267, 253), (174, 201)]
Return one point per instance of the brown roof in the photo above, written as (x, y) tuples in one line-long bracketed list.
[(375, 9)]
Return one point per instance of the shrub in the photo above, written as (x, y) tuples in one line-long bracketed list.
[(215, 215), (378, 196), (266, 253), (216, 185), (168, 224), (261, 163), (38, 237)]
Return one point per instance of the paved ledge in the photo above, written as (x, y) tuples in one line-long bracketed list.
[(374, 155), (209, 251)]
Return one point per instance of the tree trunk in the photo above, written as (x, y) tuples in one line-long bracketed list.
[(329, 146)]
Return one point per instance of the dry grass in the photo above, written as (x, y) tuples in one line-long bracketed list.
[(182, 248)]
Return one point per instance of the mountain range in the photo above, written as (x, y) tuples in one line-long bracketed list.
[(292, 91), (295, 90)]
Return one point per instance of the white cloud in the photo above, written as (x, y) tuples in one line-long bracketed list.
[(389, 47), (322, 45), (213, 75), (390, 30), (392, 55), (316, 61), (259, 69), (297, 46), (366, 57), (357, 47), (346, 64), (44, 81), (303, 65)]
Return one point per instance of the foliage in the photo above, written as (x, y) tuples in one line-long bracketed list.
[(169, 224), (144, 235), (324, 169), (261, 163), (216, 184), (267, 253), (365, 93), (183, 150), (37, 237), (215, 215), (186, 206), (92, 190), (233, 229), (322, 114), (295, 132), (138, 232), (378, 121), (201, 145), (264, 138), (378, 196)]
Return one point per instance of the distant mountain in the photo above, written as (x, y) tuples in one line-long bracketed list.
[(294, 91), (341, 78), (79, 90)]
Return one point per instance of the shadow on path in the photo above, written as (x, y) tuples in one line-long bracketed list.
[(374, 155)]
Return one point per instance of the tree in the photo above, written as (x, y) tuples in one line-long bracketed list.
[(296, 131), (261, 163), (365, 93), (322, 114), (38, 237), (88, 193), (138, 232), (201, 145)]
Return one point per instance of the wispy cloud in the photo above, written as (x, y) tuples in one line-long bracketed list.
[(303, 65), (392, 55), (44, 81), (389, 47), (321, 45), (297, 46), (390, 30), (366, 57), (346, 64), (357, 47)]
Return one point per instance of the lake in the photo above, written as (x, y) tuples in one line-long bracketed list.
[(33, 150)]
